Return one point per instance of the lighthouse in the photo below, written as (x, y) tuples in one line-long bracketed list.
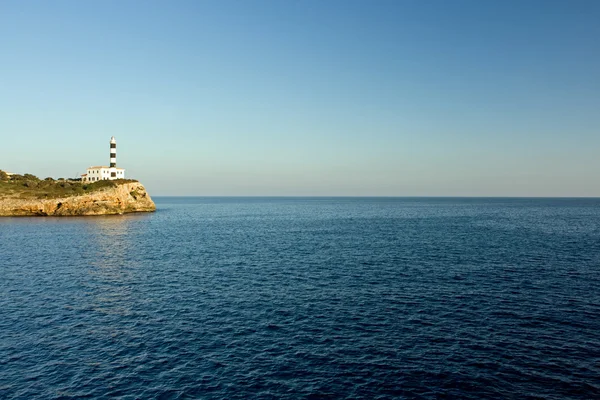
[(103, 173), (113, 152)]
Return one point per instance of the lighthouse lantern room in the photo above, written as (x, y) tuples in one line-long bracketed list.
[(102, 173)]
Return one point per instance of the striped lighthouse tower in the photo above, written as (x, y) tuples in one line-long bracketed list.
[(102, 173), (113, 152)]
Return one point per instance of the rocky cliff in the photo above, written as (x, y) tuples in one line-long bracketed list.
[(119, 199)]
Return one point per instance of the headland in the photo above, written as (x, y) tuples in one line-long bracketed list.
[(27, 195)]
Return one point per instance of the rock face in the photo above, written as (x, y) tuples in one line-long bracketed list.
[(124, 198)]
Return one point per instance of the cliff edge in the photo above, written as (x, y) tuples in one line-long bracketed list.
[(116, 198)]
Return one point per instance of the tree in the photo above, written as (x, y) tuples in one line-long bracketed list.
[(3, 176)]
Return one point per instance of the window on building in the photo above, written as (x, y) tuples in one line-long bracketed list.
[(113, 145), (113, 174)]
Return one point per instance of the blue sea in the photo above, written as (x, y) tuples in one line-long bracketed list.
[(305, 298)]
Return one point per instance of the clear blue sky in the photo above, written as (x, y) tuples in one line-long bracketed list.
[(397, 98)]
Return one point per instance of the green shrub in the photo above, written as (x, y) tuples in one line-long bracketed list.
[(30, 177), (48, 188)]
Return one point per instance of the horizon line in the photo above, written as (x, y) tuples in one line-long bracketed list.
[(385, 196)]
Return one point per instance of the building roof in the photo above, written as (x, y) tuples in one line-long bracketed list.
[(101, 166)]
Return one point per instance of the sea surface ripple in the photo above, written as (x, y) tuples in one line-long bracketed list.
[(374, 298)]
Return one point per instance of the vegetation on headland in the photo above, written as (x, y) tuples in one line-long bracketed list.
[(29, 186)]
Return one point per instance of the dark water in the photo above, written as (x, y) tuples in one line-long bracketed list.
[(305, 298)]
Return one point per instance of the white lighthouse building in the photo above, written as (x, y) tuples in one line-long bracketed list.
[(102, 173)]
